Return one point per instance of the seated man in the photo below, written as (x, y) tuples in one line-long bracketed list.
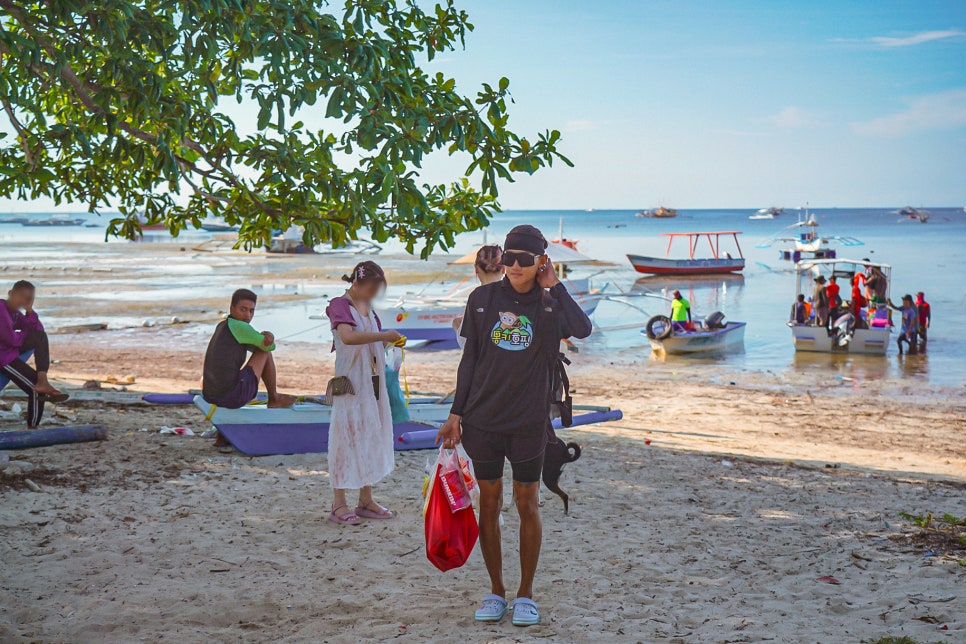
[(20, 332), (229, 381), (799, 310)]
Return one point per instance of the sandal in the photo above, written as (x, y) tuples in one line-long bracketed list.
[(367, 512), (493, 609), (55, 398), (525, 612), (349, 518)]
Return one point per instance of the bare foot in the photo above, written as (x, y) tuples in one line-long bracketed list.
[(281, 400), (45, 389)]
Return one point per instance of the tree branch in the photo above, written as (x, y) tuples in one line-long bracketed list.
[(21, 132)]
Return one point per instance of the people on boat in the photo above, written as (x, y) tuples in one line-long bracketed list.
[(832, 291), (800, 310), (909, 329), (876, 284), (488, 269), (230, 376), (20, 333), (680, 312), (858, 303), (501, 409), (925, 316), (360, 431), (820, 303)]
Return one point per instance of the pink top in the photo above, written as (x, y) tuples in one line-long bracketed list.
[(339, 311), (14, 327)]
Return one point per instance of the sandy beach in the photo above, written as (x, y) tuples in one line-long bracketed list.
[(726, 507)]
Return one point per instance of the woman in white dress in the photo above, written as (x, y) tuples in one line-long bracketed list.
[(360, 433)]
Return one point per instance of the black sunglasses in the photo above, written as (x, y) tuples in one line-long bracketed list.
[(523, 258)]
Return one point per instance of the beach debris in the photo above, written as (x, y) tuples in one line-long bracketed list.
[(211, 432), (147, 323), (91, 385), (180, 431), (12, 472), (33, 486), (727, 463), (647, 441), (829, 579), (129, 379), (24, 466)]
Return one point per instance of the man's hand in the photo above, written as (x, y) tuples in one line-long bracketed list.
[(547, 275), (450, 432), (269, 339)]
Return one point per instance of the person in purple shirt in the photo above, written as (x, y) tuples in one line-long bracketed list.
[(20, 332)]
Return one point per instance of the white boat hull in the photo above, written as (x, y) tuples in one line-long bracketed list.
[(864, 341), (730, 338)]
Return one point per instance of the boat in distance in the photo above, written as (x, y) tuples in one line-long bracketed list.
[(718, 263), (659, 213)]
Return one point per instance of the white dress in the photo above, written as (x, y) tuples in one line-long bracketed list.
[(360, 433)]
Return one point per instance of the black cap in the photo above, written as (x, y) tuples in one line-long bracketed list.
[(526, 238)]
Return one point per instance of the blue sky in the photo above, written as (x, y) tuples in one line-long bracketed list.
[(725, 103), (731, 104)]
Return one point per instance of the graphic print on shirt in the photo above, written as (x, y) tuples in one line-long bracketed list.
[(512, 332)]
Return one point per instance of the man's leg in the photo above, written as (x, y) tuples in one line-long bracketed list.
[(25, 378), (38, 342), (531, 533), (263, 364), (491, 502)]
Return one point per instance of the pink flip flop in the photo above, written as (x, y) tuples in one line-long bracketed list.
[(349, 518), (381, 513)]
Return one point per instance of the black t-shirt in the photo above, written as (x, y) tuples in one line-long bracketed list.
[(224, 360), (512, 341)]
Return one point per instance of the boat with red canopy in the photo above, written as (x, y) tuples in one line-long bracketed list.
[(718, 263)]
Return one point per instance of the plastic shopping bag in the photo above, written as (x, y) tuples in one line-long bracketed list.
[(397, 400), (450, 536)]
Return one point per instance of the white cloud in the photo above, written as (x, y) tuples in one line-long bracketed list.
[(944, 110), (906, 41), (579, 125), (796, 118)]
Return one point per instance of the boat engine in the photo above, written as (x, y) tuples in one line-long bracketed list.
[(715, 321), (844, 328)]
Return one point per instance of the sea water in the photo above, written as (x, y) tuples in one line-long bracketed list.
[(924, 257)]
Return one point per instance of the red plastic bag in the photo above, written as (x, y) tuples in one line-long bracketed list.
[(450, 536)]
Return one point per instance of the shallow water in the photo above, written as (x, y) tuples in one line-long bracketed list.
[(924, 257)]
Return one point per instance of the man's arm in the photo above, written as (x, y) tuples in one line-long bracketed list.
[(451, 429), (8, 334), (246, 334), (575, 323)]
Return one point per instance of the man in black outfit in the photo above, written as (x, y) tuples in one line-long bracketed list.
[(501, 410)]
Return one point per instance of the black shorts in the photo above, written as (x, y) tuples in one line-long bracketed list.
[(488, 450)]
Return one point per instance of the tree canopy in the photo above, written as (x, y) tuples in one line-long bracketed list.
[(127, 105)]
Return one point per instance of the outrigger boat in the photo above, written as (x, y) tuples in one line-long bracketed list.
[(847, 335), (658, 213), (804, 242), (767, 213), (431, 319), (718, 263), (914, 214), (712, 335)]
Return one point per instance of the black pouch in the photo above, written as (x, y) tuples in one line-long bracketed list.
[(375, 378), (562, 403)]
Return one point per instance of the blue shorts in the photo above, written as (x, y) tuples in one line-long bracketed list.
[(245, 391)]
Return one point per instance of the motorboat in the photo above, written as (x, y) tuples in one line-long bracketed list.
[(767, 213), (658, 213), (718, 263), (714, 334), (218, 226), (913, 214), (801, 241), (868, 335)]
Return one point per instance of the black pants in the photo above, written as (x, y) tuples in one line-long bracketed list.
[(22, 375)]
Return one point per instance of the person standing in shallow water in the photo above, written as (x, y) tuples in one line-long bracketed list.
[(360, 432), (501, 409)]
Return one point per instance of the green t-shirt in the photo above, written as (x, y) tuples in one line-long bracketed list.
[(245, 333), (679, 310)]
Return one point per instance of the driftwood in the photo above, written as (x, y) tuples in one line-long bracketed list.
[(52, 436)]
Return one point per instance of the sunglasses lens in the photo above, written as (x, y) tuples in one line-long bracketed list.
[(524, 259)]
